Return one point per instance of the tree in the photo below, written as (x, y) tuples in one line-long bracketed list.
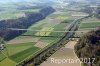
[(2, 41), (89, 47)]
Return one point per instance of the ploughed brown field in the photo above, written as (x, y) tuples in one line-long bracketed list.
[(66, 52)]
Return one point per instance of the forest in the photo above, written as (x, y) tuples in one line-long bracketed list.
[(22, 23)]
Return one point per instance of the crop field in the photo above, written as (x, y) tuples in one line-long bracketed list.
[(11, 15), (90, 25), (23, 37), (30, 10), (24, 54), (44, 33), (32, 32), (76, 15), (47, 26), (2, 56), (18, 47), (91, 22), (55, 24), (54, 36), (16, 14), (18, 52), (7, 62), (60, 15), (11, 11), (31, 42), (61, 26), (87, 25)]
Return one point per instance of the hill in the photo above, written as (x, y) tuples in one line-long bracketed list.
[(22, 23), (89, 47)]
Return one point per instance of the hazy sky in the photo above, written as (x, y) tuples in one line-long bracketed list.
[(6, 1), (20, 0)]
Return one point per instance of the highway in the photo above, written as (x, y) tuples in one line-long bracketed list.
[(48, 51)]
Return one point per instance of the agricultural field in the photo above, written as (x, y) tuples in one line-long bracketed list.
[(2, 56), (11, 15), (14, 14), (44, 33), (17, 52), (30, 10), (24, 54), (87, 25), (7, 62), (77, 15), (59, 15), (32, 42), (14, 11), (90, 25)]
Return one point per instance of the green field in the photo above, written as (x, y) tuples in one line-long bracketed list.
[(87, 25), (90, 25), (2, 56), (28, 44), (13, 49), (24, 54), (7, 62), (16, 53), (11, 11), (63, 14), (30, 10), (8, 16), (15, 14), (61, 26), (23, 37)]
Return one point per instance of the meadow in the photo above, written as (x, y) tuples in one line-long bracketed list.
[(21, 51)]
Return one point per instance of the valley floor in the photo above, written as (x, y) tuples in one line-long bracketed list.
[(66, 52)]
